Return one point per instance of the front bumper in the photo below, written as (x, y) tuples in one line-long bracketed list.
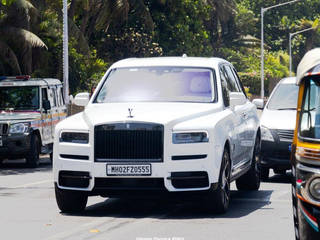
[(310, 207), (166, 177), (14, 146), (275, 154)]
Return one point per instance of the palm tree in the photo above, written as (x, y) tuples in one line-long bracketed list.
[(16, 38)]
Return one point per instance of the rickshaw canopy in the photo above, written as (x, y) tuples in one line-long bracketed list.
[(309, 65)]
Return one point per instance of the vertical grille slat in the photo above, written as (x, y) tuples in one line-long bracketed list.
[(141, 142)]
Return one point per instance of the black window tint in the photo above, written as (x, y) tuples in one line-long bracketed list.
[(225, 89), (238, 81), (44, 94), (53, 91), (61, 95), (231, 79)]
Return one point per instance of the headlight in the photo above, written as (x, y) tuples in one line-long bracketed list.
[(266, 134), (314, 188), (190, 137), (74, 137), (19, 127)]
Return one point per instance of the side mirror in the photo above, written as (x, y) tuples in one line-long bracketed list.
[(82, 99), (237, 98), (258, 102), (46, 105)]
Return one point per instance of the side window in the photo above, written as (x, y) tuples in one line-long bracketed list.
[(239, 81), (225, 89), (61, 96), (231, 79), (54, 97), (44, 94), (59, 101)]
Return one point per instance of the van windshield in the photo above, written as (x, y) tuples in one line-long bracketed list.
[(310, 110), (19, 98), (157, 84), (285, 97)]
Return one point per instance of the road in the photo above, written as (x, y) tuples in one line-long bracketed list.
[(28, 211)]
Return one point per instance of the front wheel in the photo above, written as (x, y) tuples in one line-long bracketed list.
[(251, 179), (70, 201), (219, 199), (32, 157)]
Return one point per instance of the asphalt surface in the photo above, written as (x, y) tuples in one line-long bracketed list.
[(28, 211)]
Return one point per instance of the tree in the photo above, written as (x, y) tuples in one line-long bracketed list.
[(16, 37)]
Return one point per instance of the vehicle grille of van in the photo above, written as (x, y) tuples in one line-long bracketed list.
[(285, 135), (128, 142), (3, 128)]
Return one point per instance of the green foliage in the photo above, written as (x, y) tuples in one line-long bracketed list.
[(180, 27), (105, 31)]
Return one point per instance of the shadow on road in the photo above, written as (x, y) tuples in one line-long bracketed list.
[(281, 178), (17, 167), (242, 203)]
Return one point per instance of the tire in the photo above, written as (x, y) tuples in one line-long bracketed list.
[(32, 157), (219, 199), (251, 179), (264, 173), (70, 201), (302, 229), (294, 209)]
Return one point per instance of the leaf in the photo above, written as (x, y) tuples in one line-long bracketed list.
[(22, 35), (315, 23), (8, 56)]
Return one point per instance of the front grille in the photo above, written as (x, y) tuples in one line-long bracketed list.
[(3, 128), (127, 142), (285, 135)]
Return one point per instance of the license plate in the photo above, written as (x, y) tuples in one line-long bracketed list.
[(128, 169)]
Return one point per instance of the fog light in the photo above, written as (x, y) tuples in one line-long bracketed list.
[(314, 188)]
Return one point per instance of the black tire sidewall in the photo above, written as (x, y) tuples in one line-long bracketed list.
[(33, 156)]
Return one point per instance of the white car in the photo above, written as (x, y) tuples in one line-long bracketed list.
[(159, 125), (278, 121)]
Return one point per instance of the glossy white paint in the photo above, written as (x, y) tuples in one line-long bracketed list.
[(234, 128)]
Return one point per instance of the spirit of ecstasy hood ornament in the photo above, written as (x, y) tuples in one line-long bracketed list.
[(130, 111)]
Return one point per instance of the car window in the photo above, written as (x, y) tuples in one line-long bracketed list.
[(310, 112), (158, 84), (225, 89), (54, 97), (231, 78), (238, 80), (284, 97)]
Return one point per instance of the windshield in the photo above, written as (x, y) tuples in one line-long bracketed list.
[(310, 110), (157, 84), (285, 97), (19, 98)]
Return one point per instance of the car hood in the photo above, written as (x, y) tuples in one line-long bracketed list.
[(18, 116), (163, 113), (278, 119)]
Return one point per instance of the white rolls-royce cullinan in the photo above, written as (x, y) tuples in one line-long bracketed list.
[(171, 125)]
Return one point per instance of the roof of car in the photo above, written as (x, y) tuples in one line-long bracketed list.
[(309, 65), (288, 80), (169, 61), (13, 81)]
